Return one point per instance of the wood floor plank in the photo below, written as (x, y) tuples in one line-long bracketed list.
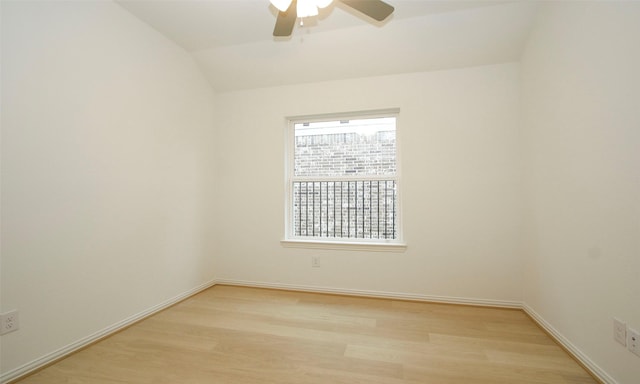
[(248, 335)]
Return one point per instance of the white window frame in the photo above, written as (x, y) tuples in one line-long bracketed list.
[(359, 244)]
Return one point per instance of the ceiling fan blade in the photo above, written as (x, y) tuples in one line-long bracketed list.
[(285, 21), (376, 9)]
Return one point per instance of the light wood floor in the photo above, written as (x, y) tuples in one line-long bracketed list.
[(246, 335)]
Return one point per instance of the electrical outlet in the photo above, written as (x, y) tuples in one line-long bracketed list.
[(633, 341), (9, 322), (620, 332), (315, 261)]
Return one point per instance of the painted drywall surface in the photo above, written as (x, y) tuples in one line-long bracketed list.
[(105, 125), (581, 97), (458, 137)]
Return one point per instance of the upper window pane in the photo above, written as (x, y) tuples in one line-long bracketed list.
[(357, 147)]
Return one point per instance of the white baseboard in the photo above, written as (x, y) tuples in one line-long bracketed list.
[(587, 363), (375, 294), (34, 365)]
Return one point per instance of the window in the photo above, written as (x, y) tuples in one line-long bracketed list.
[(342, 180)]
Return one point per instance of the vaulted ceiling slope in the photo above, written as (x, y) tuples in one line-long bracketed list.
[(231, 39)]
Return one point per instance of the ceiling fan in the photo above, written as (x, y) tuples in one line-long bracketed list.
[(290, 10)]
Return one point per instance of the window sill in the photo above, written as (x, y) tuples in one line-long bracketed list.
[(344, 246)]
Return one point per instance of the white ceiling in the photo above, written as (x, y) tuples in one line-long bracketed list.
[(231, 39)]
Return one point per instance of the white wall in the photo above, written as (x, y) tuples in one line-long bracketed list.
[(459, 135), (105, 130), (581, 98)]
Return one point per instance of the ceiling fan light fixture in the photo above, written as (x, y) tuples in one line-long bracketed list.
[(282, 5), (307, 8)]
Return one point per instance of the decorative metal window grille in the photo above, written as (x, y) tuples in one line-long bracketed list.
[(364, 209), (343, 180)]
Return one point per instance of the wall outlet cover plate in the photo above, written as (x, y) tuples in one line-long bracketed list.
[(633, 341), (620, 332), (9, 322)]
